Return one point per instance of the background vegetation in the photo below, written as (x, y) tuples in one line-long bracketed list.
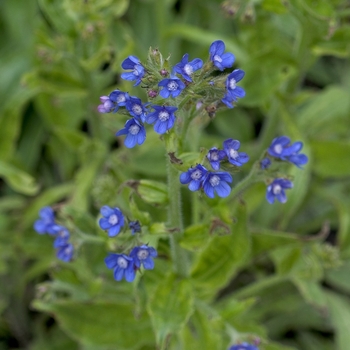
[(281, 273)]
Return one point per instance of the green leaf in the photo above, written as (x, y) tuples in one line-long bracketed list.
[(331, 158), (275, 6), (152, 192), (18, 180), (339, 277), (101, 323), (170, 306), (217, 263), (340, 317), (72, 138), (195, 237), (312, 293)]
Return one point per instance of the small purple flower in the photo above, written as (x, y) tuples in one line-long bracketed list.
[(234, 157), (112, 221), (143, 256), (215, 156), (136, 108), (265, 163), (65, 252), (217, 182), (61, 233), (220, 59), (135, 133), (194, 176), (186, 68), (134, 226), (283, 149), (163, 117), (276, 190), (171, 87), (46, 221), (137, 69), (231, 84), (243, 346), (112, 102), (123, 266), (106, 106)]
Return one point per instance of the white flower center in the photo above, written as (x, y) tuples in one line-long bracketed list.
[(233, 153), (122, 262), (217, 58), (278, 149), (214, 156), (276, 189), (142, 254), (196, 175), (121, 98), (134, 129), (68, 250), (214, 180), (113, 219), (137, 109), (172, 86), (163, 116), (232, 84), (135, 72), (188, 69)]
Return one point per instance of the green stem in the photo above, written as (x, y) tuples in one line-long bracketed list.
[(245, 183), (179, 255)]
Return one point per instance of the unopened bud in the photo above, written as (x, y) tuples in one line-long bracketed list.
[(163, 72), (152, 93)]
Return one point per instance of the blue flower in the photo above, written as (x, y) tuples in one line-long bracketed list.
[(236, 158), (281, 148), (46, 221), (186, 68), (123, 266), (194, 176), (137, 69), (112, 102), (65, 252), (134, 226), (143, 255), (135, 133), (163, 117), (61, 233), (276, 190), (112, 221), (265, 163), (220, 59), (215, 156), (217, 182), (228, 99), (243, 346), (233, 90), (136, 108), (171, 87)]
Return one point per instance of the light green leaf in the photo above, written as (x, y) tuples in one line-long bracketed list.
[(170, 306)]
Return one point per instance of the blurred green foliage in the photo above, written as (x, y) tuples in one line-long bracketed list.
[(279, 272)]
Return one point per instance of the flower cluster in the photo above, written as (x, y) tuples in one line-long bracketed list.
[(282, 149), (47, 224), (199, 177), (169, 85), (125, 266)]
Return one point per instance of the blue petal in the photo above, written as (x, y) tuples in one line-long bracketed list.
[(104, 224), (217, 48), (47, 213), (122, 132), (160, 127), (148, 263), (223, 189), (130, 62), (165, 93), (113, 231), (281, 197), (194, 185), (130, 273), (208, 189), (128, 76), (238, 92), (185, 178), (118, 273), (269, 195), (106, 211), (130, 141), (225, 177), (152, 117), (227, 60), (237, 75), (141, 136), (243, 157), (196, 64), (40, 226)]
